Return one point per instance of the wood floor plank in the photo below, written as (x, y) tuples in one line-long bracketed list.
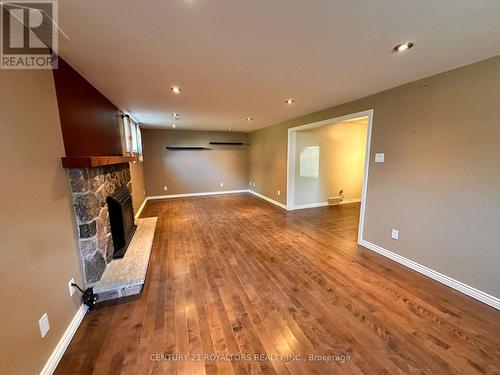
[(240, 286)]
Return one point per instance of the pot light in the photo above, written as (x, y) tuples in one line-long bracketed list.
[(230, 128), (403, 47), (173, 126), (175, 115), (176, 89), (249, 119), (290, 101)]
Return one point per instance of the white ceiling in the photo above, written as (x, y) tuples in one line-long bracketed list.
[(235, 59)]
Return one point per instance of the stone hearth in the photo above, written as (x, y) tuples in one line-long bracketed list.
[(125, 277), (90, 187)]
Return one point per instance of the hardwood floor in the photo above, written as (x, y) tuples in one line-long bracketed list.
[(234, 274)]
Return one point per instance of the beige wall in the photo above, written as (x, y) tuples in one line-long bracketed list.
[(193, 171), (342, 149), (138, 188), (440, 183), (37, 237)]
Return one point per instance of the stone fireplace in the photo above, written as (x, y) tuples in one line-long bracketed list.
[(90, 188)]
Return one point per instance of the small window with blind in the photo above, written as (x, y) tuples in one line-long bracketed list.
[(309, 162), (132, 133)]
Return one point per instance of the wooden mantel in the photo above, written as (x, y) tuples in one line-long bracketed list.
[(94, 161)]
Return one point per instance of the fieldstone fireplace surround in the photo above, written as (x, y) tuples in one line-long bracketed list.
[(90, 188)]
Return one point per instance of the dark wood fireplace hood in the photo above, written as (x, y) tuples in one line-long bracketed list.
[(94, 161), (90, 123)]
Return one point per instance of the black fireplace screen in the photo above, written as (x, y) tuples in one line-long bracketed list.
[(121, 217)]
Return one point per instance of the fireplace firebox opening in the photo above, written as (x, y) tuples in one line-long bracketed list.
[(121, 217)]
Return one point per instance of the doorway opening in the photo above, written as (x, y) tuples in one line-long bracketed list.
[(328, 163)]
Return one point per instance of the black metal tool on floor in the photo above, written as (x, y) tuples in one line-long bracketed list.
[(89, 298)]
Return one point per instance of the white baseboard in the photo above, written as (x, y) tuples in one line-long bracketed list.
[(267, 199), (347, 201), (323, 204), (208, 193), (308, 205), (196, 194), (62, 345), (141, 208), (446, 280)]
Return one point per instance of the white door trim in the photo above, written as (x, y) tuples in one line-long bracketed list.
[(364, 189)]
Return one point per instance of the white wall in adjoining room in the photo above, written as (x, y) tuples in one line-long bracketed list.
[(329, 159)]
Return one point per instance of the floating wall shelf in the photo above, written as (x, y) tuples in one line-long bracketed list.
[(178, 148), (229, 143)]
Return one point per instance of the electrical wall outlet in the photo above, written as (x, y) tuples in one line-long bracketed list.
[(165, 188), (253, 184), (44, 325), (395, 234), (250, 183), (279, 192), (71, 288), (379, 157), (221, 184)]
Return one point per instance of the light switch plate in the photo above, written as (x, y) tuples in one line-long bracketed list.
[(395, 234), (44, 325), (379, 157)]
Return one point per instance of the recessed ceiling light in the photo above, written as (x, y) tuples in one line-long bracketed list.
[(175, 115), (249, 119), (290, 101), (403, 47), (176, 89), (173, 126), (230, 128)]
